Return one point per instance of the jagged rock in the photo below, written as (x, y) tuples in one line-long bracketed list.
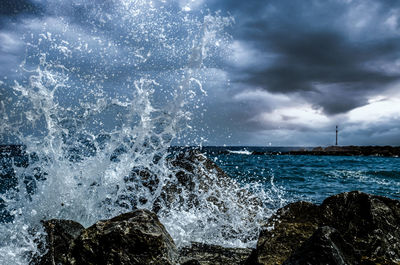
[(199, 182), (193, 178), (60, 234), (195, 172), (191, 262), (325, 246), (370, 223), (284, 232), (132, 238), (367, 223), (204, 254)]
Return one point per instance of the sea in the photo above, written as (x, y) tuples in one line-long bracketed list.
[(309, 177), (104, 89)]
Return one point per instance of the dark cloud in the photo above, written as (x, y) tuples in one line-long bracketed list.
[(18, 7), (12, 11), (313, 44), (332, 56)]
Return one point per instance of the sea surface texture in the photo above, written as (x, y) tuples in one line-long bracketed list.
[(308, 177)]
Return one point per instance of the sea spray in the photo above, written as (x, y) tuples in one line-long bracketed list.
[(103, 91)]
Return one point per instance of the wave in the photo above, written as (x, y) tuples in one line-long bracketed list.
[(241, 152), (99, 100)]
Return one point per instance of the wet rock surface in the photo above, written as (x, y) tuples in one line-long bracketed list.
[(284, 232), (348, 228), (195, 173), (136, 237), (204, 254), (325, 246), (132, 238), (60, 235)]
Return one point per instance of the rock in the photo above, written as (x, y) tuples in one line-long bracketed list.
[(368, 224), (195, 172), (191, 262), (60, 234), (195, 180), (132, 238), (284, 232), (325, 246), (204, 254), (199, 183)]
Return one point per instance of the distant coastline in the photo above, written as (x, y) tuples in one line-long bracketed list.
[(351, 150)]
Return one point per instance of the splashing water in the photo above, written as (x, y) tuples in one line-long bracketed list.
[(104, 90)]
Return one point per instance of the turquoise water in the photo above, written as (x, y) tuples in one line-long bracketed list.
[(313, 178)]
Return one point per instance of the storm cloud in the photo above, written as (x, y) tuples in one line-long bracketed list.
[(293, 70), (330, 52)]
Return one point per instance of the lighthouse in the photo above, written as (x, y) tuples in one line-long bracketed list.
[(336, 134)]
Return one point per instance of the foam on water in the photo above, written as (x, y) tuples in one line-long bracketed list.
[(241, 152), (101, 92)]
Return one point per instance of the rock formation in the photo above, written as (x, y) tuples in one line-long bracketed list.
[(213, 255), (60, 234), (351, 228), (133, 238), (348, 228)]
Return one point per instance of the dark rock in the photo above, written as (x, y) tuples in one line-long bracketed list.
[(285, 232), (368, 224), (213, 255), (325, 246), (132, 238), (194, 180), (198, 181), (60, 234), (191, 262), (196, 172)]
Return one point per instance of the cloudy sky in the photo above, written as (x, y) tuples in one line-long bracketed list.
[(293, 69)]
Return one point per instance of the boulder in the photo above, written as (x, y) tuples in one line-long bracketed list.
[(136, 237), (285, 232), (60, 234), (204, 254), (196, 174), (195, 180), (325, 246), (133, 238), (359, 228), (370, 223)]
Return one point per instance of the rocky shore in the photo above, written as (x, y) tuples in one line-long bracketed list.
[(386, 151), (351, 228), (348, 228)]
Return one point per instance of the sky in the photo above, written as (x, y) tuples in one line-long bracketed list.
[(291, 70)]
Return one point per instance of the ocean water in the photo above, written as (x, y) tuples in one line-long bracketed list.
[(306, 177)]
